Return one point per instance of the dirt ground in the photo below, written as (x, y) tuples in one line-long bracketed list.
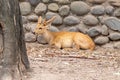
[(53, 64)]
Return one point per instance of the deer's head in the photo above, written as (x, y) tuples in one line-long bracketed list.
[(43, 25)]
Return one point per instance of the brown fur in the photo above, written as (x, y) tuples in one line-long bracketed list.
[(64, 39)]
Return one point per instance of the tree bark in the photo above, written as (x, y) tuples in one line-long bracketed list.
[(14, 50)]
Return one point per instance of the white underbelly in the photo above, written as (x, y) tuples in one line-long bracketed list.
[(67, 43)]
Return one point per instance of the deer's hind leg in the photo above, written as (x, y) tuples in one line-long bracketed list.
[(77, 46)]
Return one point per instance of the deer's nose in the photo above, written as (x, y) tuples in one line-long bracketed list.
[(33, 32)]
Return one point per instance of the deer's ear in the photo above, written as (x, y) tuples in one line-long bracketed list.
[(40, 19), (50, 20)]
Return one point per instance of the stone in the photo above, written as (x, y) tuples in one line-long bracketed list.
[(40, 9), (79, 8), (98, 10), (64, 10), (109, 10), (71, 20), (104, 30), (96, 1), (34, 2), (32, 26), (45, 1), (24, 20), (117, 12), (25, 8), (90, 20), (25, 28), (101, 40), (29, 37), (58, 19), (41, 40), (117, 45), (94, 31), (115, 3), (54, 29), (72, 29), (108, 45), (113, 23), (101, 19), (22, 0), (53, 7), (114, 36), (63, 2), (82, 28), (33, 18)]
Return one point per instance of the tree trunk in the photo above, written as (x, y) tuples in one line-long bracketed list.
[(13, 47)]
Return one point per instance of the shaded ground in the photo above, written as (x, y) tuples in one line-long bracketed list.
[(51, 64)]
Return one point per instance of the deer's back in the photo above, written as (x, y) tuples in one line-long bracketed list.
[(67, 39)]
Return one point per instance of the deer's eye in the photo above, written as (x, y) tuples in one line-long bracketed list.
[(40, 28), (44, 24)]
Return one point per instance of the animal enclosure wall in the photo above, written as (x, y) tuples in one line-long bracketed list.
[(100, 19)]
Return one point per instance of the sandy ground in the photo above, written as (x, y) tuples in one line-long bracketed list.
[(51, 64)]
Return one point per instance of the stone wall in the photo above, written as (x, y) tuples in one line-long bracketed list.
[(100, 19)]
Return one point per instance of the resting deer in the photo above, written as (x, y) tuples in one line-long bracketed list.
[(63, 39)]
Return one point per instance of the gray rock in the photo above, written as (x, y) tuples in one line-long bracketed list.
[(25, 28), (112, 23), (29, 37), (109, 10), (34, 2), (79, 7), (108, 45), (45, 1), (40, 9), (117, 45), (55, 1), (40, 39), (32, 26), (96, 1), (72, 29), (53, 7), (63, 2), (64, 10), (94, 31), (25, 8), (104, 30), (71, 20), (33, 18), (115, 3), (24, 20), (82, 28), (22, 0), (58, 19), (101, 40), (54, 29), (98, 10), (90, 20), (117, 12), (114, 36), (101, 19)]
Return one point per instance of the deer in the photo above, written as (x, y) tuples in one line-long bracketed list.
[(63, 39)]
